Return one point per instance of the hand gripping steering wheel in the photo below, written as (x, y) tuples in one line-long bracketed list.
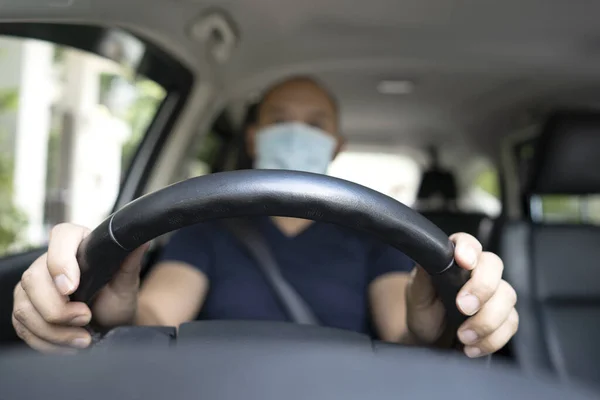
[(231, 360)]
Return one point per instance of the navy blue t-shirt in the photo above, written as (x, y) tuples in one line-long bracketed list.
[(329, 266)]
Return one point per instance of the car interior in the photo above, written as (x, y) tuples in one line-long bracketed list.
[(438, 183), (556, 303), (493, 104)]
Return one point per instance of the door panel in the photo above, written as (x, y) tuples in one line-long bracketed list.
[(11, 269)]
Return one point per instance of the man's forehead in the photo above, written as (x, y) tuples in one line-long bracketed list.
[(297, 90), (311, 108), (300, 92)]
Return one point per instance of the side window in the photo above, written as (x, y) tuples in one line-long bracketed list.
[(556, 208), (593, 210), (206, 155), (566, 209), (213, 151), (523, 154), (70, 122), (488, 182), (482, 189), (395, 175)]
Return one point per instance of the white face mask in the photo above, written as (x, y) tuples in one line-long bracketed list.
[(294, 146)]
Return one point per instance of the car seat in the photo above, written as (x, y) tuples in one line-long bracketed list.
[(554, 267)]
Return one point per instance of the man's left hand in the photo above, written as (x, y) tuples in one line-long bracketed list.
[(486, 298)]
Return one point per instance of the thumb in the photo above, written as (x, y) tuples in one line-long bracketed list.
[(127, 278), (420, 291)]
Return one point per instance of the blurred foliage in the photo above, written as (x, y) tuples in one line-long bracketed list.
[(12, 220), (561, 208), (209, 148), (488, 181), (9, 100), (139, 116), (557, 208), (59, 54), (53, 163), (594, 208)]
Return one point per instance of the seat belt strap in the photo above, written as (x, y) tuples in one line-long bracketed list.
[(295, 306)]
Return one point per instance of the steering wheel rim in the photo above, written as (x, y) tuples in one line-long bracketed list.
[(247, 193)]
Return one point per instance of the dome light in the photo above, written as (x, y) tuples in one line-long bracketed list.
[(395, 87)]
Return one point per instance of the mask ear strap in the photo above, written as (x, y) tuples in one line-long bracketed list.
[(341, 146)]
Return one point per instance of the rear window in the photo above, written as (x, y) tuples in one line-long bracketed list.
[(566, 209), (395, 175), (482, 190)]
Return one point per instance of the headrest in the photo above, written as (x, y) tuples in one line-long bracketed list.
[(567, 156), (437, 182), (251, 115)]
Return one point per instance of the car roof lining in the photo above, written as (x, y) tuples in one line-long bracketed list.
[(481, 69)]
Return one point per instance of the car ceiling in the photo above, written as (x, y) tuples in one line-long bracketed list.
[(481, 68)]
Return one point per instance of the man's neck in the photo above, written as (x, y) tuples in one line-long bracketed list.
[(291, 226)]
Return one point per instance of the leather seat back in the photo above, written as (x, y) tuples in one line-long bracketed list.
[(555, 268), (439, 185)]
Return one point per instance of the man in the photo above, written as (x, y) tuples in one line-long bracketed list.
[(349, 280)]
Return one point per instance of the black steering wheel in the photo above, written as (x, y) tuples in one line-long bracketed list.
[(272, 193), (259, 360)]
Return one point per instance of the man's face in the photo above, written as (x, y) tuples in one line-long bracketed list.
[(297, 101)]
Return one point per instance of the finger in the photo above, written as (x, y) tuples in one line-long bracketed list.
[(128, 277), (484, 282), (425, 312), (491, 316), (35, 342), (54, 334), (420, 291), (467, 250), (38, 294), (62, 256), (497, 339)]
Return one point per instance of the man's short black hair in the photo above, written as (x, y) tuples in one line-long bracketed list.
[(254, 109)]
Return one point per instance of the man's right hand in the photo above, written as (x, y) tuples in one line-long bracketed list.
[(45, 318)]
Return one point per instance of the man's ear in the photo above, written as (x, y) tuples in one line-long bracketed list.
[(251, 140)]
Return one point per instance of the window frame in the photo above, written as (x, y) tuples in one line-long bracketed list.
[(156, 65)]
